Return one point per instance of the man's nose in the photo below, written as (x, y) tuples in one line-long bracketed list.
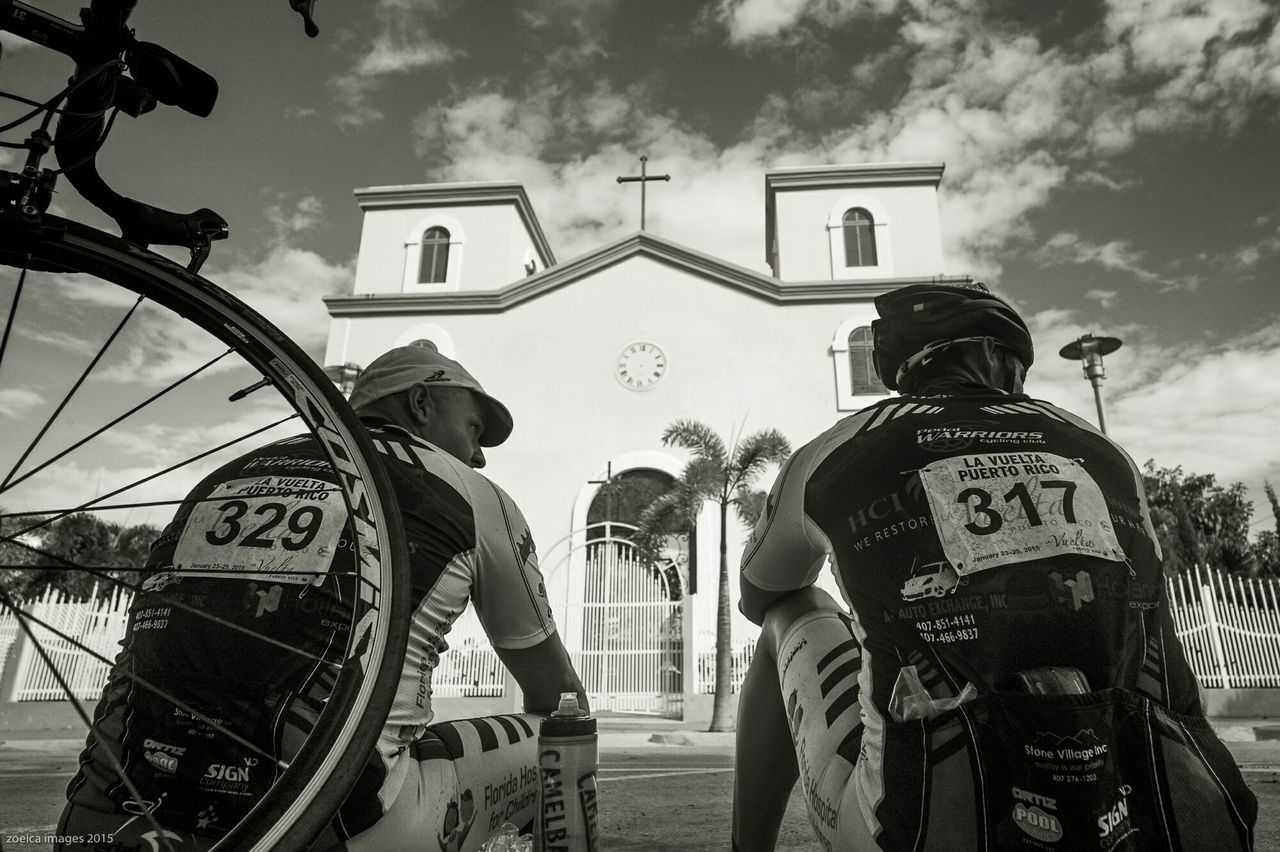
[(477, 459)]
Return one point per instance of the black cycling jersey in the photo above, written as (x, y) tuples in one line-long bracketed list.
[(258, 653), (975, 537)]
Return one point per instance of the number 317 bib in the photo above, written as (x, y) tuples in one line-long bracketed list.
[(993, 509)]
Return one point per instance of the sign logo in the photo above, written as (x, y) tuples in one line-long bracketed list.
[(1114, 824), (226, 772)]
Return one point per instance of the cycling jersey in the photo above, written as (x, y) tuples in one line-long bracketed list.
[(973, 537), (274, 519)]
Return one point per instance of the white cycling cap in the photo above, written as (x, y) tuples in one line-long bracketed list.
[(420, 361)]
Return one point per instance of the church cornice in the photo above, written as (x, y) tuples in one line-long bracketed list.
[(465, 193), (641, 244), (860, 174)]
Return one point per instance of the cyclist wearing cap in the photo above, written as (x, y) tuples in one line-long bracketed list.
[(448, 784), (1006, 673)]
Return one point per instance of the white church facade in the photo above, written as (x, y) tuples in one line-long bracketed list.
[(597, 354)]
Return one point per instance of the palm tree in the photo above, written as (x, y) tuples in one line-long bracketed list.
[(724, 477)]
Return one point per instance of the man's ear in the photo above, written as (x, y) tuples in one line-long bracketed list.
[(1015, 372), (420, 403)]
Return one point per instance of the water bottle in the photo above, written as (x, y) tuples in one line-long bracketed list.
[(566, 819)]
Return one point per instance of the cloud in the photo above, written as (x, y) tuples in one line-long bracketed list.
[(569, 33), (1019, 108), (403, 42), (1090, 177), (1115, 255), (287, 285), (1014, 107), (16, 402), (304, 216), (570, 165), (77, 344), (1248, 256), (1208, 405), (1105, 298), (750, 21)]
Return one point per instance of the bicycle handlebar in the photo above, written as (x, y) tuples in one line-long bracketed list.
[(102, 47)]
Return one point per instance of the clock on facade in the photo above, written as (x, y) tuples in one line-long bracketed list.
[(640, 365)]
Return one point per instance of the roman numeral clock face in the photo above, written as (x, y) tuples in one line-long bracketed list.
[(640, 366)]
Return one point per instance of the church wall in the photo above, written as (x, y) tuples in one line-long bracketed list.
[(912, 231), (734, 361), (493, 251)]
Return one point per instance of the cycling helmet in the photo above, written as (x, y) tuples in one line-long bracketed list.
[(917, 318)]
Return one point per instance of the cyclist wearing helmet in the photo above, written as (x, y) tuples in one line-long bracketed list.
[(451, 782), (1006, 673)]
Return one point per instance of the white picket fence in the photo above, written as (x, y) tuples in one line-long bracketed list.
[(469, 668), (75, 634), (1229, 626)]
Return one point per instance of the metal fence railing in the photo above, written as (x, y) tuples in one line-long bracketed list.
[(90, 630), (469, 668), (1229, 626)]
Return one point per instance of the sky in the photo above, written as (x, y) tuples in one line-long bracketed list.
[(1110, 166)]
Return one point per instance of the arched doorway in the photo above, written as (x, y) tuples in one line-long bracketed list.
[(616, 509), (625, 625)]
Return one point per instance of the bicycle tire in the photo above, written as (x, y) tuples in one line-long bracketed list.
[(309, 792)]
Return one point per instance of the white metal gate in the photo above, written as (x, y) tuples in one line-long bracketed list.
[(629, 646)]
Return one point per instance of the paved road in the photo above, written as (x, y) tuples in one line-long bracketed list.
[(664, 798)]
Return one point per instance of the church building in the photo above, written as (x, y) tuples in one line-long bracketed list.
[(595, 355)]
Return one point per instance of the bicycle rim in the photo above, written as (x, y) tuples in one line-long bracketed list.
[(64, 256)]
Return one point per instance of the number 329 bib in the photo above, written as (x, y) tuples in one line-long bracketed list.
[(281, 528), (993, 509)]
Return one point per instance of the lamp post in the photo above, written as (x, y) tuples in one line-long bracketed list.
[(1088, 350), (343, 375)]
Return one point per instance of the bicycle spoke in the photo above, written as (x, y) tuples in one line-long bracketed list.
[(66, 399), (146, 479), (80, 711), (150, 504), (86, 439), (13, 310)]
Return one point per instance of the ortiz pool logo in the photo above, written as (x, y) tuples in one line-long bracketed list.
[(1032, 815)]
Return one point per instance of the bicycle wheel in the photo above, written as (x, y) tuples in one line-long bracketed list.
[(97, 325)]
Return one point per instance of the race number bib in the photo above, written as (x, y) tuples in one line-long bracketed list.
[(279, 528), (993, 509)]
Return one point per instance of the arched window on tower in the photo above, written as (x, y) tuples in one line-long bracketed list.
[(859, 238), (433, 263), (862, 368)]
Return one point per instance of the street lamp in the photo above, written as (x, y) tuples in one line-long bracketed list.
[(1088, 350), (343, 375)]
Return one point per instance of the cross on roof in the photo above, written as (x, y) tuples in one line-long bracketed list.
[(642, 179)]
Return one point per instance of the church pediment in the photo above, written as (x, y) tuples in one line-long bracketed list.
[(578, 270)]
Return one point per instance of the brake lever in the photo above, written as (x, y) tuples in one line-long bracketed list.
[(305, 8)]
